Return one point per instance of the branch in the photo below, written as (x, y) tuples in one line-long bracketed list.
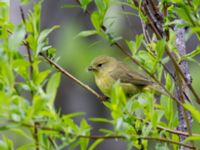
[(166, 141), (66, 73), (35, 135), (142, 120), (159, 36), (95, 137), (178, 132), (184, 121), (26, 44)]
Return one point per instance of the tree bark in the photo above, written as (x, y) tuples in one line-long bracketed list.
[(185, 118)]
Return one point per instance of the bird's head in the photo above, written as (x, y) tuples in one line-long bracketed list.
[(102, 64)]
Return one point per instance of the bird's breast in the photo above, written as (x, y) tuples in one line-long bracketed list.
[(104, 82)]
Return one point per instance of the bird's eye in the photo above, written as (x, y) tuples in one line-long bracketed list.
[(99, 65)]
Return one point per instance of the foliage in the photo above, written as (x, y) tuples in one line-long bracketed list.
[(27, 93)]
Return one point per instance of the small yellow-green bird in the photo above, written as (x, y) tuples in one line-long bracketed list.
[(108, 70)]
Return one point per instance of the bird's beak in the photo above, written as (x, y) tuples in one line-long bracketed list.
[(90, 68)]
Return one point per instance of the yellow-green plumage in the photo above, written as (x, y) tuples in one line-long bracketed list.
[(108, 70)]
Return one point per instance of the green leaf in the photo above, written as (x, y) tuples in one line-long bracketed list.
[(118, 95), (175, 138), (156, 117), (191, 138), (8, 127), (7, 75), (195, 113), (21, 69), (86, 33), (75, 114), (191, 54), (40, 77), (132, 47), (4, 12), (96, 20), (102, 6), (43, 35), (100, 120), (138, 40), (84, 3), (25, 2), (26, 146), (85, 130), (94, 145), (17, 37), (183, 12), (52, 87), (160, 48), (161, 146), (22, 133), (6, 144)]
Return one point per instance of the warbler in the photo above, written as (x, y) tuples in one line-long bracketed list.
[(107, 70)]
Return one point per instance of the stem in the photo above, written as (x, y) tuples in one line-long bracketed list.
[(166, 141), (66, 73), (37, 147), (63, 132), (26, 44), (95, 137)]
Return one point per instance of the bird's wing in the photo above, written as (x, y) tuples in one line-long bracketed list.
[(127, 75)]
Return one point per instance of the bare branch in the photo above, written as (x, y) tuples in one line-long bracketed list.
[(35, 135)]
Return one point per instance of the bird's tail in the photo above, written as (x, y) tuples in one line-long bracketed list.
[(157, 89)]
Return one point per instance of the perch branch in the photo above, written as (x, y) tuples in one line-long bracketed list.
[(66, 73)]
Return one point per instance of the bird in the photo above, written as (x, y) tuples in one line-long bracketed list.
[(107, 70)]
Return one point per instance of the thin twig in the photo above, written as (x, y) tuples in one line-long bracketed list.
[(37, 146), (153, 5), (95, 137), (66, 73), (178, 132), (53, 143), (27, 44), (166, 141), (152, 16)]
